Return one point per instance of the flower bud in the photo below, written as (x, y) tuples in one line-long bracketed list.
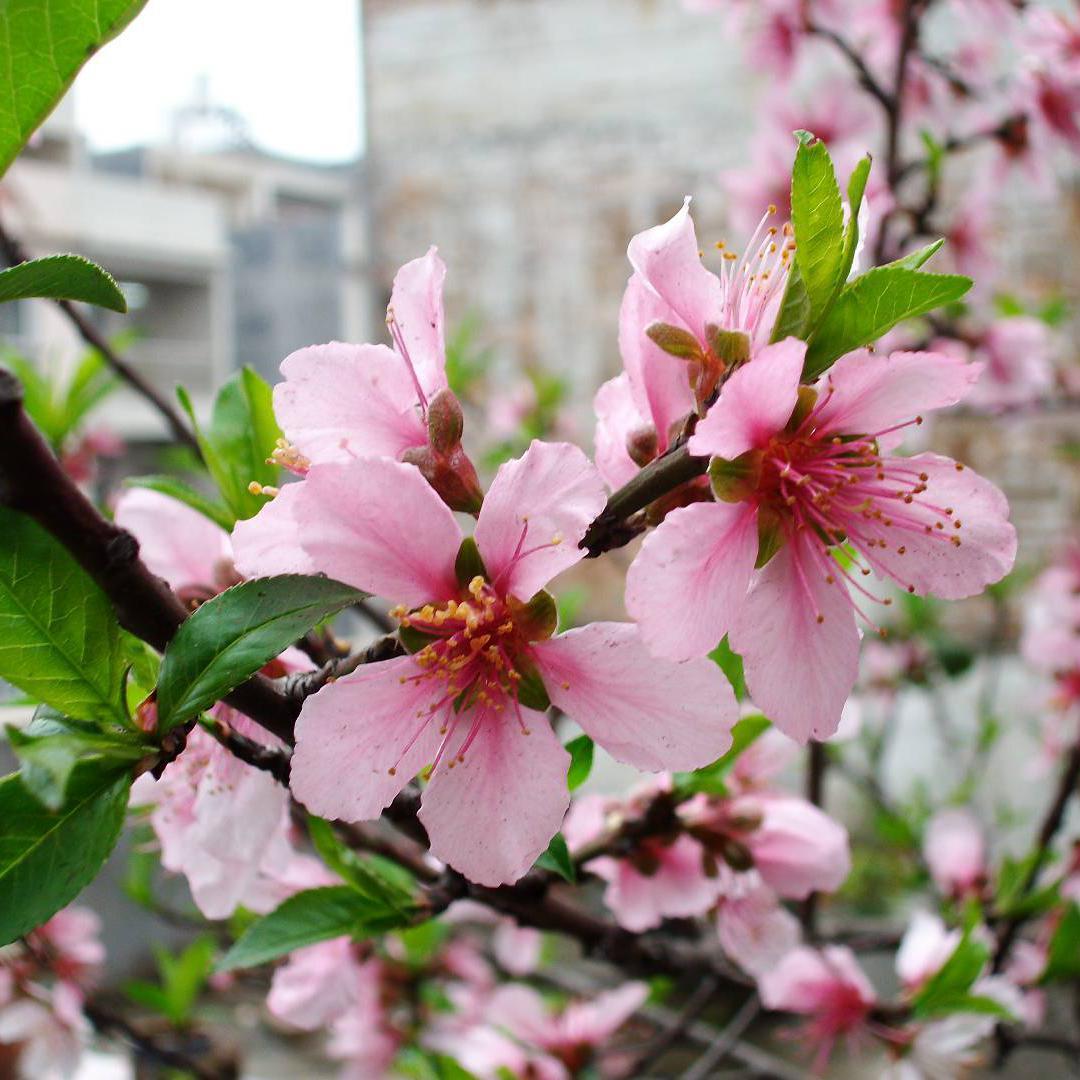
[(674, 341), (731, 347), (642, 445), (453, 476), (445, 422)]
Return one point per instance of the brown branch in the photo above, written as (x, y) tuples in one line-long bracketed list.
[(32, 481), (1055, 815), (276, 762), (865, 76), (305, 683), (14, 254), (816, 762)]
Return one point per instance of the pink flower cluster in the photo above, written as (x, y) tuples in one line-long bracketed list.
[(43, 984)]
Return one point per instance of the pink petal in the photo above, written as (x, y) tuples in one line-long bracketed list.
[(650, 713), (339, 402), (313, 987), (955, 850), (754, 404), (592, 1023), (376, 524), (417, 304), (931, 562), (659, 382), (866, 392), (353, 732), (668, 259), (176, 542), (535, 513), (269, 543), (521, 1011), (688, 582), (617, 417), (798, 671), (755, 930), (492, 815)]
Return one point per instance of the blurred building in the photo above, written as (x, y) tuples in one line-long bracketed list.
[(227, 255)]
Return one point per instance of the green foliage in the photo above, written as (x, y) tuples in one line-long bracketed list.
[(181, 981), (177, 489), (856, 189), (53, 744), (381, 880), (793, 318), (817, 216), (43, 44), (57, 407), (231, 636), (46, 857), (948, 990), (467, 364), (59, 639), (731, 664), (1063, 961), (417, 1064), (557, 859), (62, 277), (712, 779), (873, 304), (581, 759), (309, 917), (240, 438)]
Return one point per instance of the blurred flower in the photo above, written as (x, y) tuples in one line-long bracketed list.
[(955, 852)]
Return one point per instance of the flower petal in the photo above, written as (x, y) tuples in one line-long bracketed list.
[(269, 543), (339, 402), (688, 582), (353, 732), (492, 815), (754, 404), (175, 541), (417, 304), (931, 562), (659, 382), (650, 713), (668, 259), (377, 524), (535, 513), (617, 417), (866, 392), (799, 672)]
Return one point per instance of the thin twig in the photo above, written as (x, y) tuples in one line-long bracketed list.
[(274, 761), (725, 1041), (816, 762), (695, 1005), (305, 683), (14, 254)]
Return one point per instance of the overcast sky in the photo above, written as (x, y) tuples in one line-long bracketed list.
[(295, 78)]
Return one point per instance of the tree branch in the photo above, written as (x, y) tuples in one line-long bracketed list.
[(14, 254)]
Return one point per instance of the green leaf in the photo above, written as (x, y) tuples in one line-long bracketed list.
[(43, 44), (557, 859), (793, 318), (227, 639), (873, 304), (306, 918), (953, 980), (731, 664), (1063, 961), (59, 639), (52, 744), (581, 759), (47, 858), (916, 259), (376, 877), (817, 216), (183, 977), (177, 489), (241, 436), (61, 277), (856, 189)]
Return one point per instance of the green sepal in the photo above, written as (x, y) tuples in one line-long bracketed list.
[(731, 346), (538, 619), (804, 405), (469, 563), (531, 691), (674, 340), (770, 535), (414, 640), (736, 479)]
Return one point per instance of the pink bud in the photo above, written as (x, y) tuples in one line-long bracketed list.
[(445, 422), (955, 852), (452, 475)]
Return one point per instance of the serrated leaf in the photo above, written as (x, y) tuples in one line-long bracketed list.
[(59, 638), (581, 760), (177, 489), (557, 859), (793, 318), (62, 277), (46, 858), (231, 636), (373, 875), (306, 918), (873, 304), (916, 259), (856, 189), (42, 47), (817, 216)]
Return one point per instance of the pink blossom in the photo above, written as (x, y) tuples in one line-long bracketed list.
[(342, 402), (1050, 641), (496, 790), (827, 986), (791, 490), (926, 945), (1015, 354), (362, 1036), (516, 948), (317, 984), (955, 852), (50, 1029), (763, 760), (72, 941), (754, 928)]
